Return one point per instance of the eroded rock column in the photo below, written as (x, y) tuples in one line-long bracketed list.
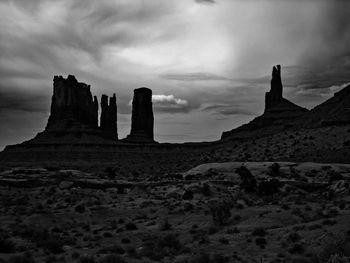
[(142, 120)]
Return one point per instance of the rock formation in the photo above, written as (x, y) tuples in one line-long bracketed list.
[(274, 96), (108, 120), (279, 112), (142, 120), (72, 100), (74, 115), (334, 111)]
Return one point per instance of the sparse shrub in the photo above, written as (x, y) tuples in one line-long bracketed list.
[(107, 234), (269, 187), (294, 237), (221, 212), (259, 231), (224, 241), (53, 245), (200, 257), (275, 169), (80, 208), (206, 190), (188, 207), (51, 259), (212, 230), (75, 255), (115, 249), (42, 237), (188, 195), (297, 248), (261, 242), (329, 222), (346, 143), (334, 176), (110, 173), (156, 248), (130, 226), (336, 246), (7, 246), (164, 225), (87, 259), (248, 181), (125, 240), (21, 259), (112, 258), (338, 258), (232, 231)]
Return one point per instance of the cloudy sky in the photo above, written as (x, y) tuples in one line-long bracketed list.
[(208, 62)]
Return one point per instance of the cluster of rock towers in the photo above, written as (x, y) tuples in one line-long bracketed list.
[(73, 105)]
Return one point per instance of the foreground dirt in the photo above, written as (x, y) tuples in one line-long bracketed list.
[(221, 212)]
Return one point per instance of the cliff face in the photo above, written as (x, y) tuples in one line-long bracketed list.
[(279, 112), (142, 120), (72, 100)]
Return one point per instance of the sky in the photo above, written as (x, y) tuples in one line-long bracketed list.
[(208, 62)]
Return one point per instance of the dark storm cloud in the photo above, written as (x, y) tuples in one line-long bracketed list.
[(228, 110), (23, 101), (205, 1), (331, 45), (195, 76)]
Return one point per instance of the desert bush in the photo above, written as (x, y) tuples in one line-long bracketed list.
[(188, 195), (21, 259), (336, 246), (268, 187), (80, 208), (259, 231), (248, 181), (294, 237), (53, 245), (275, 169), (203, 257), (164, 225), (112, 258), (7, 246), (115, 249), (224, 241), (52, 259), (221, 212), (297, 248), (130, 226), (334, 176), (42, 237), (338, 258), (87, 259), (200, 257), (205, 190), (157, 247), (261, 242), (110, 173)]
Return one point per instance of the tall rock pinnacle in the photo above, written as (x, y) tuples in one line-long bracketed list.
[(274, 96), (108, 120), (142, 120), (279, 112)]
